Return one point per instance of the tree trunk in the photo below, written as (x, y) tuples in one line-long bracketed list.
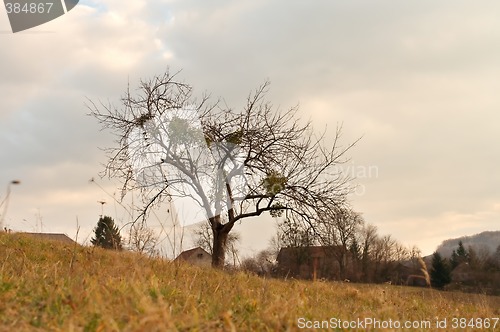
[(219, 245)]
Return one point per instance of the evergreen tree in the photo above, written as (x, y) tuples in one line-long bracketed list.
[(459, 256), (462, 252), (355, 250), (454, 260), (107, 234), (440, 271)]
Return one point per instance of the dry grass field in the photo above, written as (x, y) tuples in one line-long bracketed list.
[(50, 286)]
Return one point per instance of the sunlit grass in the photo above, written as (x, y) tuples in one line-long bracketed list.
[(59, 287)]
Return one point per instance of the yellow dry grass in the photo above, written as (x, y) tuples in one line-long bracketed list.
[(50, 286)]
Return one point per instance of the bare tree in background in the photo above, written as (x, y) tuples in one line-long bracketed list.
[(292, 232), (287, 167), (143, 239), (338, 229), (262, 264), (368, 238), (203, 237)]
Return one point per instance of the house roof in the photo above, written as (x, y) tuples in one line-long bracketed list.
[(461, 268), (53, 237), (185, 255)]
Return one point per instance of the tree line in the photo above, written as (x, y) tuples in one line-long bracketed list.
[(359, 252), (467, 269)]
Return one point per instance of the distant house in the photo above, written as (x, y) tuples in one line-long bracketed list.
[(196, 256), (462, 273), (313, 262), (417, 281), (402, 270), (469, 279), (53, 237)]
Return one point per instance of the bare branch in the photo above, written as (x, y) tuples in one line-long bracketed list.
[(238, 163)]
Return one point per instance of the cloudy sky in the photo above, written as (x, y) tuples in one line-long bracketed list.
[(419, 81)]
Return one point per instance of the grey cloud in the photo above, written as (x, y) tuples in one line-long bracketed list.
[(330, 45), (418, 79)]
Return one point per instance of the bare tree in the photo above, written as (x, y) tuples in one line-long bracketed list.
[(338, 228), (293, 233), (143, 239), (369, 237), (382, 255), (203, 237), (263, 264), (234, 163)]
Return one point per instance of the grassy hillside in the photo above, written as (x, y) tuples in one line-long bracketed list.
[(57, 287)]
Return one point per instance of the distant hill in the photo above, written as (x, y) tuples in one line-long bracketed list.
[(485, 241)]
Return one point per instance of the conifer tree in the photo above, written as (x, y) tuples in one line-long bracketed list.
[(440, 271), (355, 250), (454, 260), (458, 256), (107, 234), (461, 251)]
